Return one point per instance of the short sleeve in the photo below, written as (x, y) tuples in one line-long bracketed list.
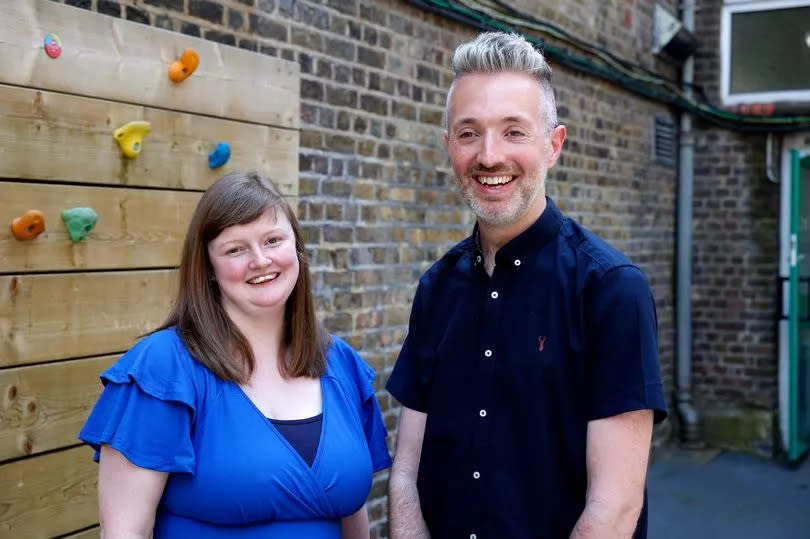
[(622, 346), (146, 410), (370, 414), (409, 382)]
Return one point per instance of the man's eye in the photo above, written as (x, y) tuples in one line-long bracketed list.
[(515, 133), (466, 134)]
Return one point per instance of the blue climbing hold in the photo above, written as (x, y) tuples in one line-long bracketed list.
[(220, 155)]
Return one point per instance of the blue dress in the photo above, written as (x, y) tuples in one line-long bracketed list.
[(231, 473)]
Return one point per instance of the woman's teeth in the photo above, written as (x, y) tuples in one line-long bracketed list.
[(263, 278)]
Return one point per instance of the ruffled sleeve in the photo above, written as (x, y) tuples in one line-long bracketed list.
[(370, 414), (147, 408)]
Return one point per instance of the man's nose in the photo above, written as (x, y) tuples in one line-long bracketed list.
[(491, 153)]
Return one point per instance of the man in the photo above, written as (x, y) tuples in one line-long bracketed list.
[(529, 378)]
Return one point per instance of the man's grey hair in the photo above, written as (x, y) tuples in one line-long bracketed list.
[(496, 52)]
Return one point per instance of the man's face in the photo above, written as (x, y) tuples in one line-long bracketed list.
[(498, 145)]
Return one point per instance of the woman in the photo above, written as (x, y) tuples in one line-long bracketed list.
[(239, 416)]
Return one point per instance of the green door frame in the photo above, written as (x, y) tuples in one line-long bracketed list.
[(798, 442)]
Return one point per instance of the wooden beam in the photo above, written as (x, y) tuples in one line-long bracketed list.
[(55, 137), (92, 533), (128, 62), (136, 228), (45, 406), (51, 317), (49, 495)]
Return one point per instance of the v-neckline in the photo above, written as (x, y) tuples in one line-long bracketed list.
[(269, 423)]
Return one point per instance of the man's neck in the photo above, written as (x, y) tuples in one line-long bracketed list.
[(493, 237)]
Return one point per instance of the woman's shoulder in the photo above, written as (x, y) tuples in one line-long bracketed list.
[(346, 364), (161, 365)]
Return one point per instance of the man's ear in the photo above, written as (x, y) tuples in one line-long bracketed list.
[(446, 139), (556, 142)]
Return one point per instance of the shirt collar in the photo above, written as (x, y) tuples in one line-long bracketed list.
[(543, 230)]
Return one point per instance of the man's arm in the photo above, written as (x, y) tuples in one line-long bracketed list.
[(617, 453), (405, 514)]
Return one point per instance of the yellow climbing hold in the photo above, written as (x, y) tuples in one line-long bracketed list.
[(130, 137)]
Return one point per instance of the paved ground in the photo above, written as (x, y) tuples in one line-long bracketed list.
[(711, 495)]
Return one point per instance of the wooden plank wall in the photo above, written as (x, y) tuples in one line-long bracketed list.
[(68, 310)]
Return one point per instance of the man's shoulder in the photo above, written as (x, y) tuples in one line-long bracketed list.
[(592, 249), (451, 264)]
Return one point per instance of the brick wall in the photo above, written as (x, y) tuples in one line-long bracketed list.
[(736, 253), (376, 200)]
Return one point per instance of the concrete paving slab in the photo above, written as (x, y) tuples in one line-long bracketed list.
[(713, 495)]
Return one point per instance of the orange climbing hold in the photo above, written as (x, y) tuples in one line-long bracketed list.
[(29, 226), (185, 66)]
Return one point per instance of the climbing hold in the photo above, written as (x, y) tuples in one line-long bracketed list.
[(185, 66), (30, 225), (130, 137), (220, 155), (53, 45), (79, 222)]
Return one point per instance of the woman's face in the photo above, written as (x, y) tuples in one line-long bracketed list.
[(255, 265)]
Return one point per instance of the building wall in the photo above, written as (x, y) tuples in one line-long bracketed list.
[(736, 255), (375, 185)]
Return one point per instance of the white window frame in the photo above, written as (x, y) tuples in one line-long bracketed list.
[(744, 6)]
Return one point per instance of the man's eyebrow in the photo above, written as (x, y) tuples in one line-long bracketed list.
[(506, 120)]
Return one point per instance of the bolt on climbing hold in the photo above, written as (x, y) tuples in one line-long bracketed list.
[(185, 66), (130, 137), (29, 225), (79, 222), (220, 155), (53, 45)]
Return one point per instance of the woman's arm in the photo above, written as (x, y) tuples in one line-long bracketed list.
[(128, 496), (356, 526)]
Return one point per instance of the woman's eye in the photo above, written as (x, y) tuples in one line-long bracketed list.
[(272, 241)]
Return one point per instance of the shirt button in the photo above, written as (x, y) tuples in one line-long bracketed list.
[(517, 262), (494, 294), (476, 475), (488, 353), (473, 536), (482, 413), (478, 259)]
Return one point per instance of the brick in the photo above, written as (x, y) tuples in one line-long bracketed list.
[(371, 57), (343, 120), (265, 27), (317, 17), (84, 4), (164, 21), (190, 29), (341, 97), (311, 89), (339, 143), (206, 9), (306, 38), (340, 48), (109, 7), (374, 104), (427, 74), (136, 14), (248, 44), (268, 6), (220, 37), (236, 20), (349, 7)]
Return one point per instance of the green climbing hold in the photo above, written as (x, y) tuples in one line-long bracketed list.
[(79, 222)]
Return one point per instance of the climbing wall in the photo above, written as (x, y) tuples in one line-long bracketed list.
[(68, 79)]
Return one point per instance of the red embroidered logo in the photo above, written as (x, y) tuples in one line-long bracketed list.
[(541, 343)]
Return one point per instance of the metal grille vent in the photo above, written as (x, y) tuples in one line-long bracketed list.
[(664, 143)]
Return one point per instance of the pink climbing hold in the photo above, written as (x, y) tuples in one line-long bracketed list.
[(53, 45)]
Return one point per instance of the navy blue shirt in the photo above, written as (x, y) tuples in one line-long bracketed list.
[(511, 368)]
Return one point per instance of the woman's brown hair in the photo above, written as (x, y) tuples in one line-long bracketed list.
[(202, 323)]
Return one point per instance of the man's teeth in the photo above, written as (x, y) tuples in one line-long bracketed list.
[(494, 180), (263, 278)]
